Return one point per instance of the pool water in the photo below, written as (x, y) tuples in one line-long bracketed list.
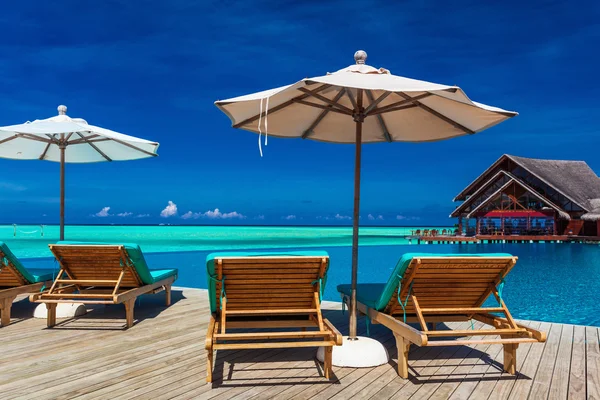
[(551, 282)]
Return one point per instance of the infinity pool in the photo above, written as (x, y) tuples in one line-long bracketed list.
[(551, 282)]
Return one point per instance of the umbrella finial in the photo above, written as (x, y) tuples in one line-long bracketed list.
[(62, 110), (360, 57)]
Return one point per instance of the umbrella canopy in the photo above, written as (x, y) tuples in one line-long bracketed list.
[(70, 140), (362, 104), (401, 109)]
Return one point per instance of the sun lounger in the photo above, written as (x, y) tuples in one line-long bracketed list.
[(15, 279), (443, 288), (94, 273), (268, 291)]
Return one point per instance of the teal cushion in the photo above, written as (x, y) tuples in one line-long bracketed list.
[(211, 274), (31, 275), (366, 293), (43, 274), (160, 274), (386, 291), (137, 258)]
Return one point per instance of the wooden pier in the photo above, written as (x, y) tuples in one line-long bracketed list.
[(443, 239), (163, 357)]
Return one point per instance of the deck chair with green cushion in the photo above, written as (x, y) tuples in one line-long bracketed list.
[(268, 291), (442, 288), (100, 273), (15, 279)]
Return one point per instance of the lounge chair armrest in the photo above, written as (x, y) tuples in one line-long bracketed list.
[(337, 336), (406, 331), (490, 318), (209, 333)]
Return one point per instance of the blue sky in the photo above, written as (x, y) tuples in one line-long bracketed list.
[(154, 69)]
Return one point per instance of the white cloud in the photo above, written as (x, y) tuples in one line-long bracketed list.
[(103, 212), (261, 217), (342, 217), (188, 215), (371, 217), (380, 217), (400, 217), (170, 210), (125, 214), (289, 217), (213, 214), (142, 215)]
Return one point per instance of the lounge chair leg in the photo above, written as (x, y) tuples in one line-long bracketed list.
[(510, 358), (129, 304), (403, 346), (51, 314), (328, 361), (168, 293), (5, 306), (209, 365)]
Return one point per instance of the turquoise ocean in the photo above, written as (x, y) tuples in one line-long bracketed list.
[(555, 282)]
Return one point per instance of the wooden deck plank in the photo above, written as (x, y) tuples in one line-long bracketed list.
[(163, 356), (577, 375), (592, 341), (526, 376), (489, 384), (559, 380), (543, 377), (502, 387)]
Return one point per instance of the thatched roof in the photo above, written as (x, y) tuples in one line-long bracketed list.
[(594, 214), (573, 179)]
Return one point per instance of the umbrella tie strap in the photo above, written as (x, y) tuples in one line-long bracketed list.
[(320, 282), (260, 114), (344, 299), (403, 304), (223, 293)]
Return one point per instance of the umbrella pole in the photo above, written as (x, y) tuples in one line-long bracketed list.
[(62, 191), (355, 221)]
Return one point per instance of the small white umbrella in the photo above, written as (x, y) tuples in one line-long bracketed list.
[(70, 140), (361, 104)]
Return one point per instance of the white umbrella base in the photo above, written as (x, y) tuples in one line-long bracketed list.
[(361, 353), (63, 310)]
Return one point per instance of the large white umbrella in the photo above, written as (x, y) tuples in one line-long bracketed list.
[(70, 140), (361, 104)]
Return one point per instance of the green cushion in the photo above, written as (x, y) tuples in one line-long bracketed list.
[(31, 275), (377, 296), (211, 274), (366, 293), (147, 275)]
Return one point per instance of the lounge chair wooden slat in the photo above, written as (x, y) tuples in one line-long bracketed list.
[(443, 289), (98, 272), (259, 289), (13, 284)]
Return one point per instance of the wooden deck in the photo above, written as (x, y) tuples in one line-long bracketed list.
[(163, 357)]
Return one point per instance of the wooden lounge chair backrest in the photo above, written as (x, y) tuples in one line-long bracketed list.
[(96, 263), (270, 283), (9, 274), (449, 282)]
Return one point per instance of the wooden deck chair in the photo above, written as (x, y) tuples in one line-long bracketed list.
[(278, 292), (15, 279), (102, 274), (442, 288)]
